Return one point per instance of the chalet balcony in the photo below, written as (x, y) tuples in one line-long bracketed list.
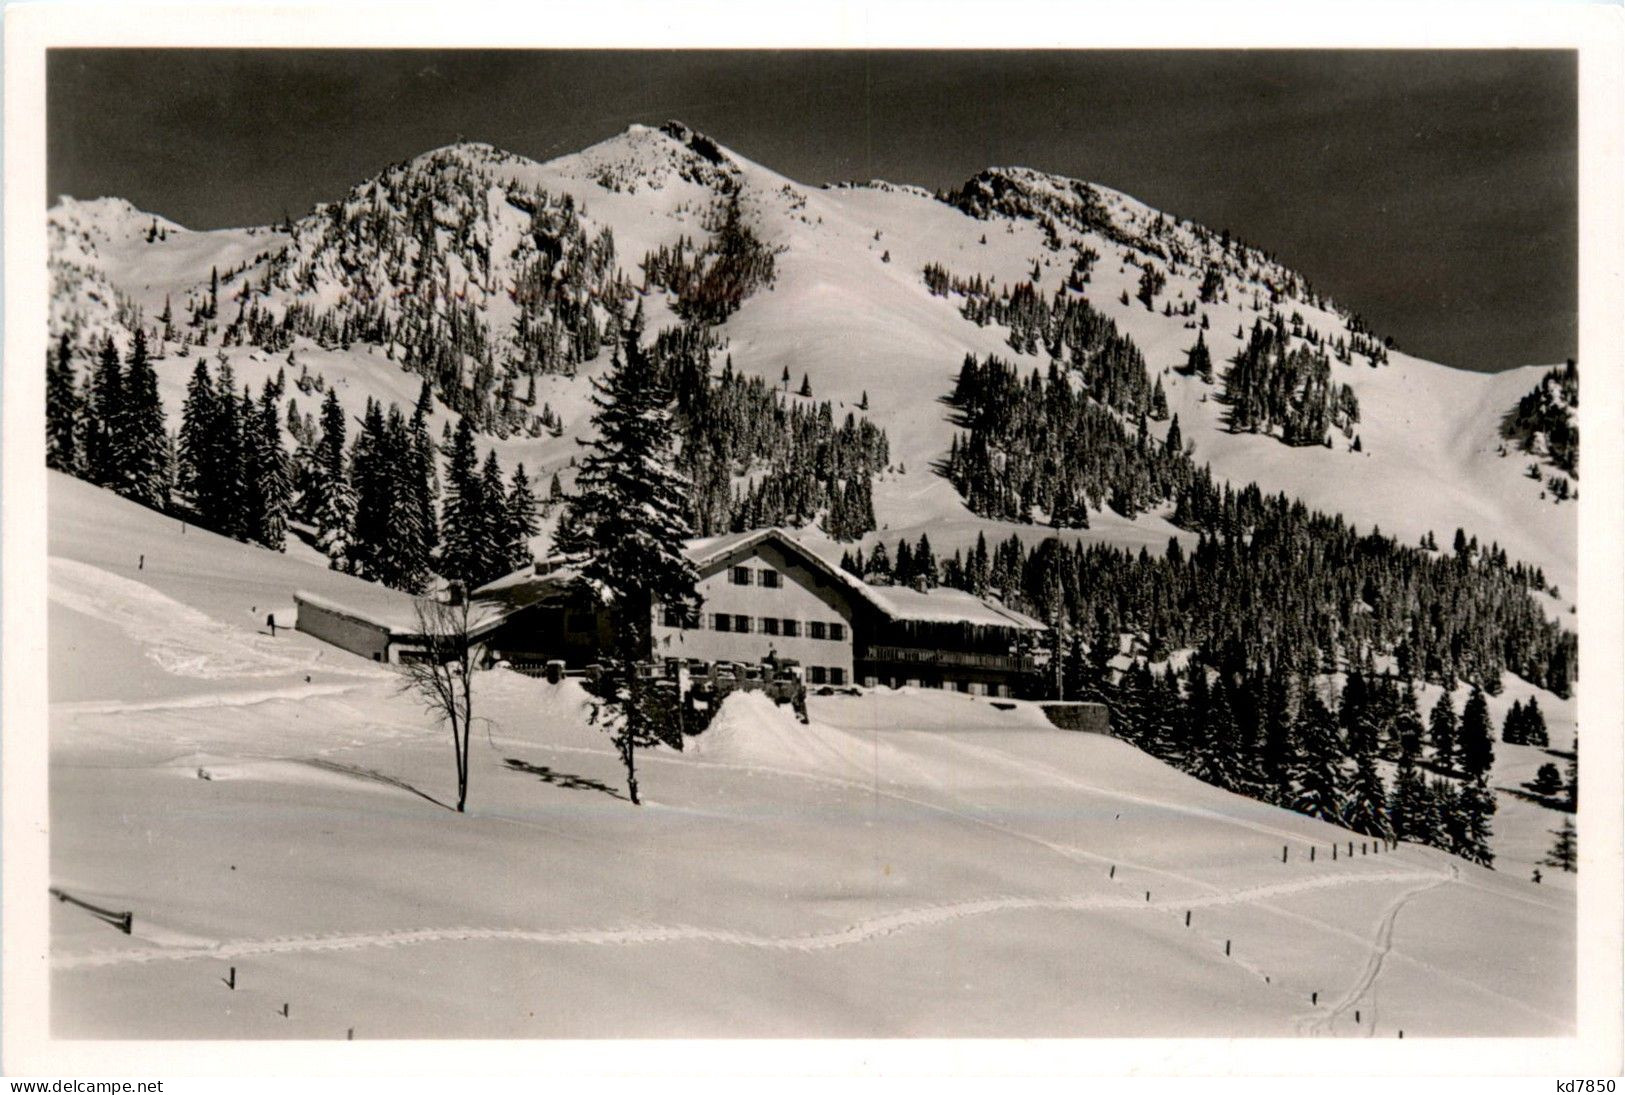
[(914, 655)]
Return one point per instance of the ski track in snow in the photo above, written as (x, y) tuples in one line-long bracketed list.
[(1260, 897), (1381, 944), (922, 916)]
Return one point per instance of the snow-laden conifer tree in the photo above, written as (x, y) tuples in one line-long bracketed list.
[(1565, 853), (495, 541), (1198, 360), (106, 396), (1278, 749), (424, 472), (521, 515), (1365, 810), (1407, 802), (570, 535), (1318, 772), (462, 515), (273, 477), (1477, 736), (371, 480), (1443, 729), (632, 505), (194, 444), (1475, 805), (335, 505), (64, 413), (1534, 724), (412, 514), (877, 568), (140, 440), (224, 501), (1216, 754)]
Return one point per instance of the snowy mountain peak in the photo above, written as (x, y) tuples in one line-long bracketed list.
[(478, 157), (646, 156), (108, 219)]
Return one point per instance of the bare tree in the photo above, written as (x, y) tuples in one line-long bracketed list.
[(441, 676)]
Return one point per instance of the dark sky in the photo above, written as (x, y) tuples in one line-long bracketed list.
[(1434, 192)]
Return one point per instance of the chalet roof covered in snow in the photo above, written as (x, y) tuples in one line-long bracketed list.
[(386, 608), (940, 605), (488, 606), (950, 606), (525, 587)]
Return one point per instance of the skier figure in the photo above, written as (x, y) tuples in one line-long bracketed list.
[(270, 621), (141, 563)]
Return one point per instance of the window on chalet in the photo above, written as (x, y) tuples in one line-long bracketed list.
[(816, 629), (771, 579), (721, 621), (770, 625), (674, 616), (742, 624), (837, 632), (837, 675), (792, 628), (740, 576), (819, 674)]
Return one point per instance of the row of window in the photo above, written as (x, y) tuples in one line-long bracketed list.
[(818, 674), (745, 576), (774, 625), (974, 688), (783, 627)]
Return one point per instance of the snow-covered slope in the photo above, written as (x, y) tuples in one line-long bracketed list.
[(908, 864), (850, 309)]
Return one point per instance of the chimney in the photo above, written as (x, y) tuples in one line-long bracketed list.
[(454, 593)]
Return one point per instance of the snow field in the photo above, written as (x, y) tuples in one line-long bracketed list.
[(876, 853)]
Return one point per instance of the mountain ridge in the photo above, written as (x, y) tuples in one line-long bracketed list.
[(848, 308)]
